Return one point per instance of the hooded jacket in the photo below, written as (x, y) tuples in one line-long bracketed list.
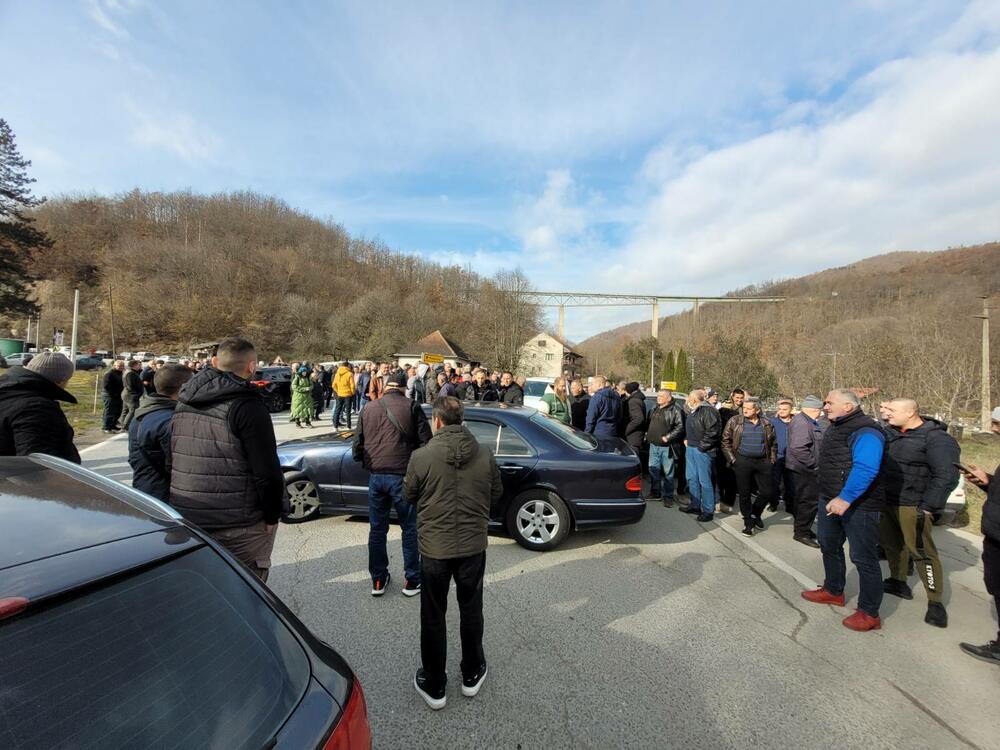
[(920, 466), (31, 420), (343, 382), (635, 419), (225, 471), (453, 482), (149, 445)]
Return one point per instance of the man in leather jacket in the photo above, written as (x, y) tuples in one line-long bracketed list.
[(665, 434)]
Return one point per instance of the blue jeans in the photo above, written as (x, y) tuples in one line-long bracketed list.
[(385, 492), (661, 472), (699, 476), (860, 528), (344, 405)]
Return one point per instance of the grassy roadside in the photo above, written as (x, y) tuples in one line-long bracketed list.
[(86, 424), (984, 452)]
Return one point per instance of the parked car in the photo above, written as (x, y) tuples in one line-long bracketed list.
[(535, 388), (89, 363), (555, 478), (133, 628), (21, 358), (276, 384)]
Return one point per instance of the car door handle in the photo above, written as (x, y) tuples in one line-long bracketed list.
[(510, 467)]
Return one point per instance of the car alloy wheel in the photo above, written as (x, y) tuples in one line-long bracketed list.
[(539, 521), (275, 402), (303, 498)]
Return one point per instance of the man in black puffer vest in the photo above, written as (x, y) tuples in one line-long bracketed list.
[(920, 473), (225, 475), (851, 499)]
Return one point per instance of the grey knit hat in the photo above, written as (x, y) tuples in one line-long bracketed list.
[(53, 366), (811, 402)]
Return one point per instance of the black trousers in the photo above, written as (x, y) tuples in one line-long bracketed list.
[(991, 572), (112, 412), (806, 499), (747, 470), (435, 578), (725, 480), (343, 407), (783, 485)]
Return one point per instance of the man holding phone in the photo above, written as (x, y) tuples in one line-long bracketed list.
[(991, 542)]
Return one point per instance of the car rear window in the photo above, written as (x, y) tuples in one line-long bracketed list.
[(582, 440), (185, 655), (535, 388)]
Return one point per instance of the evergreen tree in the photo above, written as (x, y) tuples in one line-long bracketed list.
[(682, 372), (668, 370), (19, 239)]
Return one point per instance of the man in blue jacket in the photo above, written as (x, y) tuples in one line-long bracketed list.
[(604, 414), (149, 433)]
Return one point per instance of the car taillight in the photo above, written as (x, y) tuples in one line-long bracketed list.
[(11, 605), (634, 484), (352, 731), (258, 383)]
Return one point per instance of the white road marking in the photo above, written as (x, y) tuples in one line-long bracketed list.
[(776, 561), (119, 436)]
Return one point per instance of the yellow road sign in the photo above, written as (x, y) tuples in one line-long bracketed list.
[(432, 359), (670, 384)]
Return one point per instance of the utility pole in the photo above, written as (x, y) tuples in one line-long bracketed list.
[(76, 324), (27, 336), (652, 365), (985, 395), (111, 306)]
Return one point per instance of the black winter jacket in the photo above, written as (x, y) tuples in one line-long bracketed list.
[(454, 482), (474, 393), (112, 384), (635, 426), (578, 410), (666, 421), (149, 446), (991, 509), (704, 429), (132, 389), (382, 447), (920, 466), (31, 420), (512, 394), (225, 471)]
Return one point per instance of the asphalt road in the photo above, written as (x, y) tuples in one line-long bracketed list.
[(665, 634)]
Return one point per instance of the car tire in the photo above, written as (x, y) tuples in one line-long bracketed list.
[(303, 498), (275, 402), (538, 520)]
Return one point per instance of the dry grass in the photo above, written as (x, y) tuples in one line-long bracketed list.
[(81, 415), (984, 452)]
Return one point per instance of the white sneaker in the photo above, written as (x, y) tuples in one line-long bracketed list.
[(471, 685)]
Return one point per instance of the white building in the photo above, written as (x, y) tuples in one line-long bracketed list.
[(434, 343), (546, 356)]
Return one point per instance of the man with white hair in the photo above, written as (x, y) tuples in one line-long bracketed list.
[(852, 498), (704, 436), (920, 473)]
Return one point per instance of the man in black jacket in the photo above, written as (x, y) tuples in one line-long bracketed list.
[(750, 447), (149, 434), (225, 475), (805, 432), (704, 434), (990, 651), (30, 419), (635, 418), (919, 475), (132, 391), (452, 482), (725, 475), (664, 434), (111, 395), (510, 392), (389, 430), (480, 388)]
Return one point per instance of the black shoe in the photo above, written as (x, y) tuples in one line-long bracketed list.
[(668, 502), (757, 522), (897, 588), (471, 684), (706, 517), (936, 615), (748, 530), (435, 697), (989, 652), (806, 539), (410, 588), (689, 509), (378, 586)]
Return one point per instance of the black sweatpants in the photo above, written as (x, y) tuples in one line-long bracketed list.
[(435, 579), (747, 470), (991, 572), (806, 486)]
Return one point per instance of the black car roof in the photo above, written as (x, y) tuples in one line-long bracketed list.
[(49, 507)]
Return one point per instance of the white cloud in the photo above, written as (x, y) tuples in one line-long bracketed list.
[(177, 133), (906, 159), (554, 218)]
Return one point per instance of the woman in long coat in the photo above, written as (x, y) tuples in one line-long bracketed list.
[(302, 403)]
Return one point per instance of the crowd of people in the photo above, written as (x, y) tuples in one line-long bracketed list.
[(202, 440)]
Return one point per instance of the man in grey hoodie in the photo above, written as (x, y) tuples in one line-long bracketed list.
[(452, 481)]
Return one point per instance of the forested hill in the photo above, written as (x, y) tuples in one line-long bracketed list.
[(182, 268), (902, 322)]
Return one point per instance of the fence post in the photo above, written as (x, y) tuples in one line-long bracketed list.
[(97, 387)]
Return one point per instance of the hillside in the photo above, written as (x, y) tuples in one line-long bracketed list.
[(902, 323), (179, 268)]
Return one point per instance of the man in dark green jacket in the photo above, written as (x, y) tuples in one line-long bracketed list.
[(452, 481)]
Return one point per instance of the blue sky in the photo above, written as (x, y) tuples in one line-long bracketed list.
[(678, 148)]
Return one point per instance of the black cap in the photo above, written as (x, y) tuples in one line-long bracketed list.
[(397, 378)]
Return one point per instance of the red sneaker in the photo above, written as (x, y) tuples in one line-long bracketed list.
[(822, 596), (862, 621)]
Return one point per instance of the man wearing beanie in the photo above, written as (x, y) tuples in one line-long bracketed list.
[(30, 419), (802, 459)]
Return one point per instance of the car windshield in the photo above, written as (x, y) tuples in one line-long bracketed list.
[(581, 440), (535, 388), (185, 651)]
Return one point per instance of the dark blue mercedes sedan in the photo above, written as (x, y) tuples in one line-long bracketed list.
[(555, 478)]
